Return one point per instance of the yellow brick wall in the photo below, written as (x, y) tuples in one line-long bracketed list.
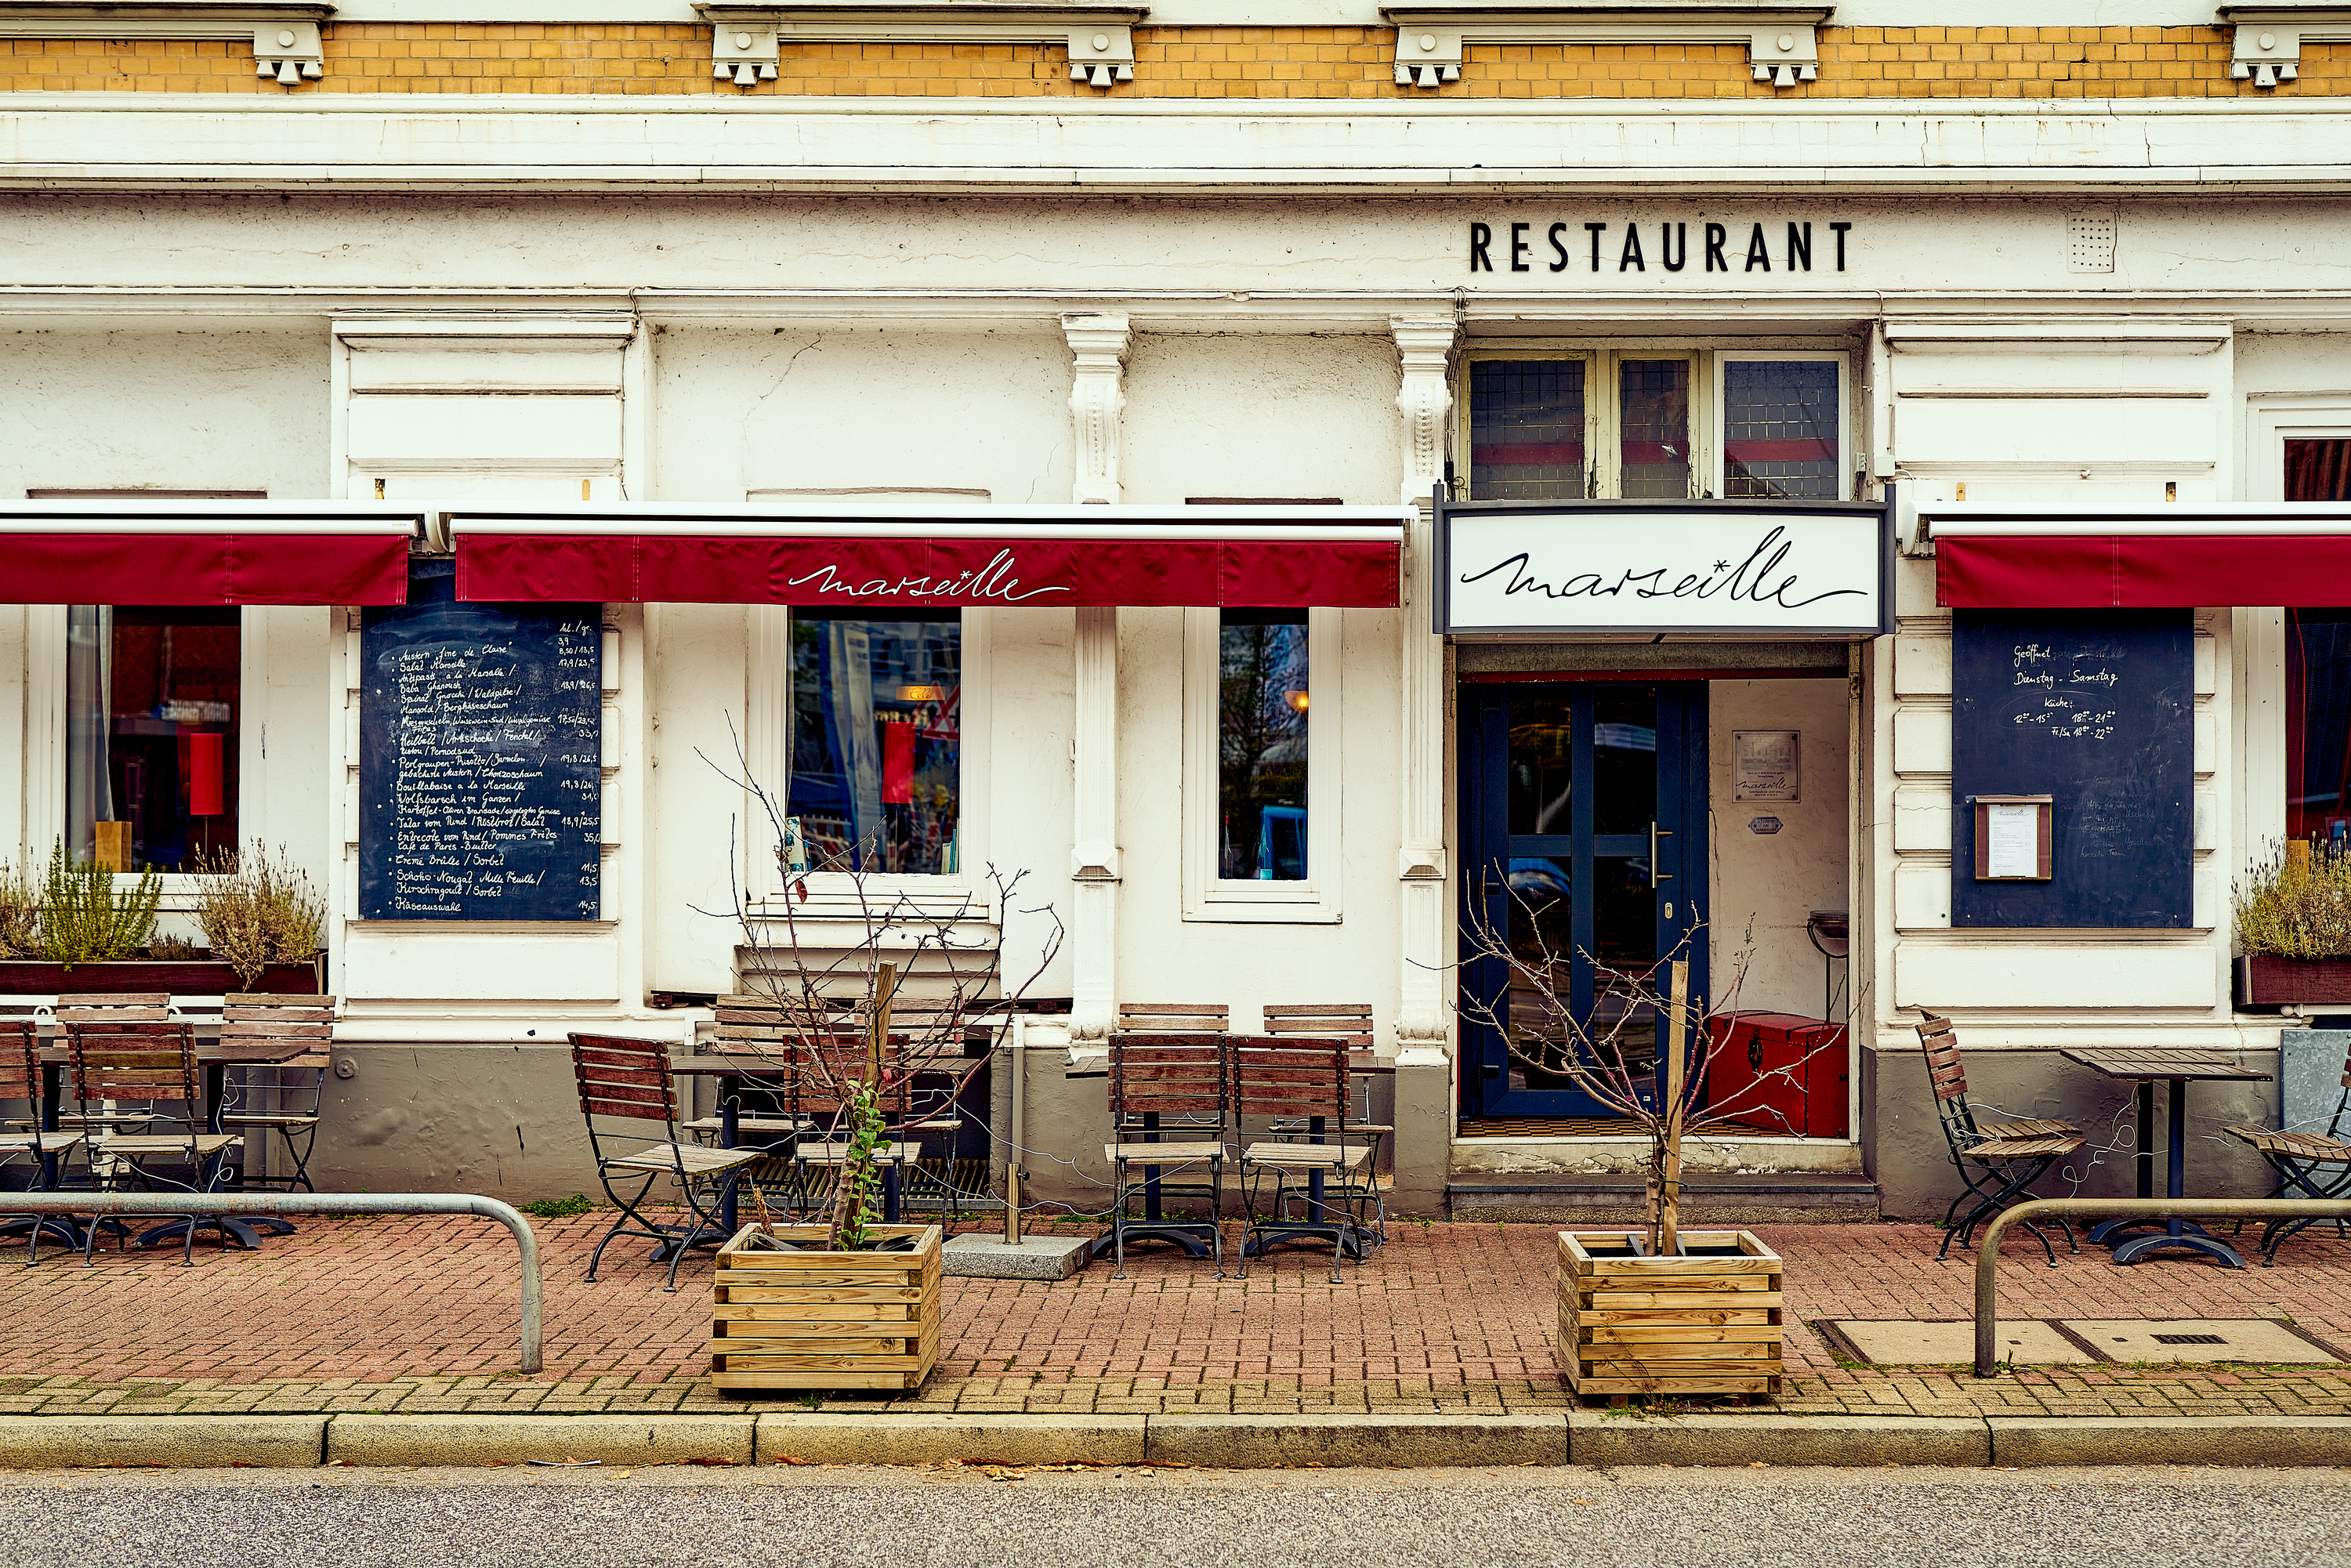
[(1186, 62)]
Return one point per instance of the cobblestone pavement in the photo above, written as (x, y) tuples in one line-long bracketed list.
[(421, 1315)]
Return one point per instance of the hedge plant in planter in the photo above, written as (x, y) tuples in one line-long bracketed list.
[(2293, 929)]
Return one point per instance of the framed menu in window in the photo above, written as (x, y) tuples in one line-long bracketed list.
[(2014, 835)]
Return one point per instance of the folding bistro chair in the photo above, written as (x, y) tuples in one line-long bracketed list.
[(20, 1079), (624, 1084), (1350, 1021), (1169, 1103), (153, 1063), (1998, 1162), (108, 1007), (821, 1076), (281, 1097), (1283, 1081), (2314, 1164)]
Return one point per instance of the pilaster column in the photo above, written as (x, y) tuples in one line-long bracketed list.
[(1425, 347), (1098, 346)]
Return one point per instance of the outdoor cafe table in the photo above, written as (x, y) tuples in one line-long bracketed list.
[(2178, 1069), (731, 1068), (216, 1058)]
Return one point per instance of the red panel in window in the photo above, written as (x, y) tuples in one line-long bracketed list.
[(897, 763)]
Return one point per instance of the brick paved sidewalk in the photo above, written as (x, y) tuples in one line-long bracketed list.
[(421, 1315)]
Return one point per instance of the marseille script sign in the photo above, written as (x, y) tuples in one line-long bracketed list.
[(1738, 248), (1726, 570)]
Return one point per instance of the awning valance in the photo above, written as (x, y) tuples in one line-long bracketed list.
[(2283, 554), (198, 552), (938, 556)]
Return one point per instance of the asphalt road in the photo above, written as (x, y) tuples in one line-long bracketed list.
[(819, 1516)]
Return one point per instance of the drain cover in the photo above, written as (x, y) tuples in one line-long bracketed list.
[(2200, 1340), (2020, 1343)]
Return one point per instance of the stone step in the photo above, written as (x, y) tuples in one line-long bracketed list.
[(1805, 1198)]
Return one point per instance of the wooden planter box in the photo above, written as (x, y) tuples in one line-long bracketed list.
[(1702, 1324), (2263, 980), (825, 1319), (193, 977)]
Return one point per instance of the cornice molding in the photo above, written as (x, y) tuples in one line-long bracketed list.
[(1782, 41), (745, 41), (2269, 39), (285, 36)]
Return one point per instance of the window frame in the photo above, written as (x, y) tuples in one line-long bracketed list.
[(1208, 897), (1723, 357), (1603, 476)]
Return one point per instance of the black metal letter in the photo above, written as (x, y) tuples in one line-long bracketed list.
[(1632, 255), (1480, 237), (1838, 229), (1595, 231), (1758, 253), (1800, 248), (1558, 249), (1519, 247), (1715, 234), (1668, 233)]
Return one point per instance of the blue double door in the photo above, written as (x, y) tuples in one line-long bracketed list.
[(1583, 815)]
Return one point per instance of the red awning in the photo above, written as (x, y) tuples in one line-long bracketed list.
[(186, 552), (2283, 555), (1261, 556)]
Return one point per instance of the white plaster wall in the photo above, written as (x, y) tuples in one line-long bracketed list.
[(197, 410), (1765, 884), (847, 408), (1292, 416), (694, 819)]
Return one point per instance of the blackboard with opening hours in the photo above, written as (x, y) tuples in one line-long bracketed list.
[(480, 758), (2094, 708)]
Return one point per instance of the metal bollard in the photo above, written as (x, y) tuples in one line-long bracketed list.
[(296, 1203), (1988, 1250)]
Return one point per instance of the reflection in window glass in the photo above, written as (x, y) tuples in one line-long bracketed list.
[(2319, 674), (2318, 470), (1526, 430), (876, 741), (1261, 690), (1780, 430), (151, 701), (1652, 415)]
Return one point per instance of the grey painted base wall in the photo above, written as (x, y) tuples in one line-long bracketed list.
[(1904, 1148)]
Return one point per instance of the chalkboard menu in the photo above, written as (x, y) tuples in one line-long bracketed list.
[(2096, 709), (480, 777)]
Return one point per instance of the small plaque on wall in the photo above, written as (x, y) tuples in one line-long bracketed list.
[(2013, 837), (1765, 764)]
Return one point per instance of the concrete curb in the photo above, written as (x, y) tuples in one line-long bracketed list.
[(1223, 1441), (1595, 1438), (1269, 1442), (175, 1442), (517, 1440), (848, 1438), (2170, 1439)]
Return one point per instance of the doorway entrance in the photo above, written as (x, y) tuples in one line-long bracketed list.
[(1583, 835)]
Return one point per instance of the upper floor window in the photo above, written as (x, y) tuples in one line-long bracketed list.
[(1657, 425)]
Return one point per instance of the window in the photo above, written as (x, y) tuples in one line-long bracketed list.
[(1662, 426), (1261, 785), (153, 699), (876, 741), (2318, 672)]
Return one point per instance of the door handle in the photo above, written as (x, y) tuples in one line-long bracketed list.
[(1656, 832)]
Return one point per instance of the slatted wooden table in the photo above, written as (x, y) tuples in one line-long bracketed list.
[(2138, 1237)]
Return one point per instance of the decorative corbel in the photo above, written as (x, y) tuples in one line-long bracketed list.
[(1097, 398), (287, 47), (1782, 44), (746, 42)]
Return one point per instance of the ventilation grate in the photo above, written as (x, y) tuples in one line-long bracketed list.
[(2090, 242), (2189, 1339)]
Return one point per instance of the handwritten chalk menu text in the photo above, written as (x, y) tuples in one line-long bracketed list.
[(480, 776), (2097, 709)]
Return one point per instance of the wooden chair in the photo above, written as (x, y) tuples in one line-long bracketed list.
[(1175, 1018), (151, 1062), (108, 1007), (1998, 1162), (1283, 1080), (20, 1079), (1154, 1077), (2315, 1164), (1351, 1021), (624, 1083), (277, 1097)]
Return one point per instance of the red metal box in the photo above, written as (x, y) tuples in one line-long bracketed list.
[(1778, 1072)]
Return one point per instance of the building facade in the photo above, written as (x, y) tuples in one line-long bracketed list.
[(1711, 298)]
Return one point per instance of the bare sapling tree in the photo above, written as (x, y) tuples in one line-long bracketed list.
[(874, 989), (1606, 1052)]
